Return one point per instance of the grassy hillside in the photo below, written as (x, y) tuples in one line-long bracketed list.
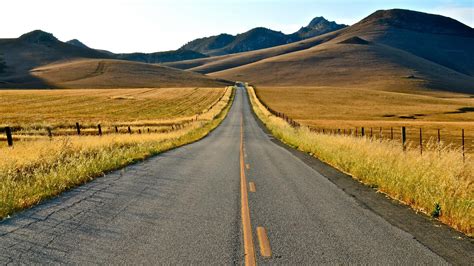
[(39, 60), (351, 63), (38, 48), (218, 63), (390, 50), (101, 73)]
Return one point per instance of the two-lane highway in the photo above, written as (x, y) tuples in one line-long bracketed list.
[(188, 206)]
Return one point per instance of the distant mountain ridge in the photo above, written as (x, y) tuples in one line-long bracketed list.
[(151, 58), (317, 26), (394, 49), (258, 38), (161, 57), (77, 43)]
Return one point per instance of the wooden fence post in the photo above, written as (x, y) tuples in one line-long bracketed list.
[(100, 129), (371, 133), (139, 131), (381, 134), (148, 130), (116, 129), (421, 142), (391, 133), (50, 134), (439, 137), (463, 148), (8, 131), (362, 131), (78, 128), (129, 130), (404, 138)]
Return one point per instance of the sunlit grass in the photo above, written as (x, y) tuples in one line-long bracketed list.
[(439, 176), (35, 170), (350, 108)]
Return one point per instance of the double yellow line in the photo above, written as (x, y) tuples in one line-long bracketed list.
[(249, 248)]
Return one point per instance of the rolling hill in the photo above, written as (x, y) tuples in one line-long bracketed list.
[(39, 60), (218, 63), (258, 38), (37, 48), (390, 49), (107, 73)]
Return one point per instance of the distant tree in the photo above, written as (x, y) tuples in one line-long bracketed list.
[(3, 65)]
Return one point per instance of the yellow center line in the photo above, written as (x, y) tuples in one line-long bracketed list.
[(252, 187), (249, 248), (265, 249)]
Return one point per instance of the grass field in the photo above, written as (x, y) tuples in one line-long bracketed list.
[(30, 112), (438, 183), (348, 108), (57, 107), (32, 171)]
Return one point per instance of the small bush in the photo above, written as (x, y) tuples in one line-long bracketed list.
[(436, 211)]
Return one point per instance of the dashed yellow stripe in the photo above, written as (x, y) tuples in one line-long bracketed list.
[(249, 248)]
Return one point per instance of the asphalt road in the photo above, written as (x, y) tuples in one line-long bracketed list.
[(184, 206)]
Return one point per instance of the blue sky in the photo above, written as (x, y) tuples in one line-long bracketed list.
[(158, 25)]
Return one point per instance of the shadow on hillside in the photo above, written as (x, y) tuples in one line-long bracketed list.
[(462, 110), (25, 81)]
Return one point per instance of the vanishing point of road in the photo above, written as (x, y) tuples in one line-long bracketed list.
[(236, 196)]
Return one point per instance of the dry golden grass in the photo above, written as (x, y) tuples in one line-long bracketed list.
[(57, 107), (157, 109), (438, 177), (36, 170), (348, 108)]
